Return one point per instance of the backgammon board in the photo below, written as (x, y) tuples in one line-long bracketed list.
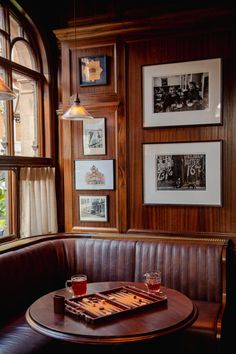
[(112, 303)]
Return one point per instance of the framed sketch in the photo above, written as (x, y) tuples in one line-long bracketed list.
[(94, 174), (94, 136), (93, 208), (93, 70), (187, 93), (182, 173)]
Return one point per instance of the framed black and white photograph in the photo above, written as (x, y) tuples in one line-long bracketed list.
[(93, 70), (93, 208), (186, 93), (94, 138), (182, 173), (94, 174)]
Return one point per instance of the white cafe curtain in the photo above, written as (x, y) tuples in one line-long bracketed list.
[(38, 208)]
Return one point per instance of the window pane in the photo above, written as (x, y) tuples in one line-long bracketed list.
[(3, 120), (25, 116), (2, 46), (3, 135), (2, 19), (22, 54), (26, 37), (4, 204), (15, 28)]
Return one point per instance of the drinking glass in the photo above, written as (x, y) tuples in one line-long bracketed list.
[(77, 284), (153, 281)]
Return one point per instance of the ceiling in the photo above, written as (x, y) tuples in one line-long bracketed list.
[(50, 16)]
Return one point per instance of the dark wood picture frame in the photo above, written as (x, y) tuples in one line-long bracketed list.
[(94, 136), (182, 93), (93, 70), (183, 173), (93, 208), (94, 174)]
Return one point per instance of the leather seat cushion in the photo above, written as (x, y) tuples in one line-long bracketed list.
[(207, 316), (202, 333), (17, 337)]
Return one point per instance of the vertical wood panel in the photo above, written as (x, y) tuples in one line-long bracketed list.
[(182, 218), (121, 102), (100, 101), (121, 139), (67, 168), (111, 153)]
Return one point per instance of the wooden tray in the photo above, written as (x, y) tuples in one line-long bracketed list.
[(112, 303)]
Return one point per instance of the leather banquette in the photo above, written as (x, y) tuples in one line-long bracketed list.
[(42, 264)]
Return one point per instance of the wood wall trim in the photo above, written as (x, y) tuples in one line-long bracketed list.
[(160, 237), (169, 21), (66, 172), (94, 229), (206, 235), (121, 140)]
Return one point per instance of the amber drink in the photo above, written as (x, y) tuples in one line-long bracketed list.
[(77, 284), (153, 281)]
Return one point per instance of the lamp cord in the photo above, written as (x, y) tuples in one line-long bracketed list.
[(76, 66)]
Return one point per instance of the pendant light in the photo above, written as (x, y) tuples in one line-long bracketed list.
[(76, 111), (5, 92)]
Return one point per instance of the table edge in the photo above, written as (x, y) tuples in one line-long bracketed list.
[(110, 340)]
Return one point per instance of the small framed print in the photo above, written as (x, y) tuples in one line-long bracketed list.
[(94, 174), (93, 208), (182, 173), (94, 142), (178, 94), (93, 70)]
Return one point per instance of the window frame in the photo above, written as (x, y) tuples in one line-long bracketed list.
[(45, 120)]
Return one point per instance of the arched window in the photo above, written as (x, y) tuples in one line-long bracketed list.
[(24, 120), (23, 54)]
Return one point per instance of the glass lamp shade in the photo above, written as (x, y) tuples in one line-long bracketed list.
[(76, 111), (5, 92)]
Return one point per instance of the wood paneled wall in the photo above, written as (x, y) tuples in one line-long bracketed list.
[(182, 48), (129, 46)]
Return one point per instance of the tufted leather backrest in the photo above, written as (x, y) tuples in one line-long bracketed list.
[(193, 269), (33, 270), (101, 260), (28, 273)]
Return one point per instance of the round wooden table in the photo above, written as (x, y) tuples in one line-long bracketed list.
[(179, 313)]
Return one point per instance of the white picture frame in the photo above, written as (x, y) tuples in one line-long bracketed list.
[(182, 173), (179, 94), (94, 136), (93, 208), (94, 174)]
